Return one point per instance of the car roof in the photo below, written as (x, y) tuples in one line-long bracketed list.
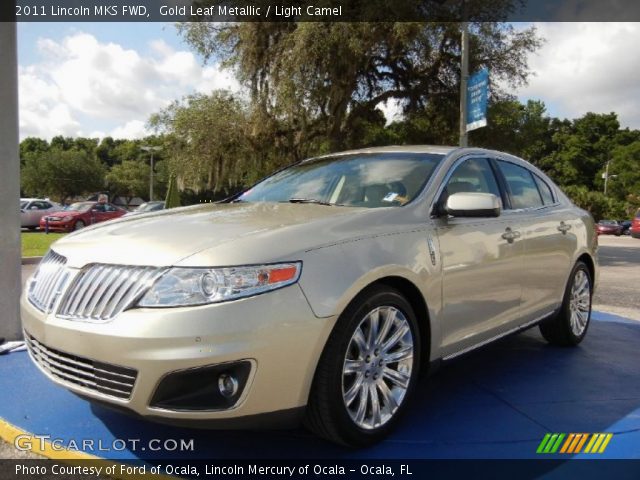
[(441, 150)]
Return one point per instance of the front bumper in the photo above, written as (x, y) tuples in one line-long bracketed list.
[(56, 226), (276, 332)]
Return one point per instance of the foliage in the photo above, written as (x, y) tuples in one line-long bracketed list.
[(129, 178), (173, 195), (207, 140), (313, 81), (596, 203), (62, 174)]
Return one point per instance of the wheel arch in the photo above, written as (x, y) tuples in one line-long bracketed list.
[(588, 261)]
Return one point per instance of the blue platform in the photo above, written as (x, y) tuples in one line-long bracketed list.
[(496, 403)]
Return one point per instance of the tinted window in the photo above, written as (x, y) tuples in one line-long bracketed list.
[(545, 191), (473, 175), (524, 192)]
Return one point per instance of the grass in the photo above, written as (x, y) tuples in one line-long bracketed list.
[(36, 244)]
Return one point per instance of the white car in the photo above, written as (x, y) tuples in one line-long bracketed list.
[(32, 209)]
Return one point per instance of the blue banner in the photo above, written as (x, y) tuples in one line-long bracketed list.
[(477, 95)]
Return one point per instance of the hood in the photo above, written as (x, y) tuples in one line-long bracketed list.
[(64, 213), (215, 234)]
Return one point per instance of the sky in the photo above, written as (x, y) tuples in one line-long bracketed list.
[(99, 79)]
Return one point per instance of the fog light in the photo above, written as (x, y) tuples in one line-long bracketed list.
[(228, 385)]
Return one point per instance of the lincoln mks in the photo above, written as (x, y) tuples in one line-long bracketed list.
[(317, 295)]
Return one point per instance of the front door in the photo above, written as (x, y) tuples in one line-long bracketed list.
[(482, 262)]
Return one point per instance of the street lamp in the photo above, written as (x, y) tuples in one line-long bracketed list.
[(150, 149)]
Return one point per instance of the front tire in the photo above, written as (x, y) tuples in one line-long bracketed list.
[(367, 371), (78, 225), (569, 326)]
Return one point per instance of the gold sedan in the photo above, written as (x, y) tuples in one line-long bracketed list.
[(316, 295)]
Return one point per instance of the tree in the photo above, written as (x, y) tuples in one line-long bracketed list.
[(62, 174), (173, 195), (317, 80), (207, 140), (582, 150), (624, 176), (129, 179)]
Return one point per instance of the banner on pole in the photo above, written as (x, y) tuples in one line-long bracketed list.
[(477, 96)]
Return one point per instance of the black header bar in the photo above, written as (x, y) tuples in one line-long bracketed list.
[(319, 10)]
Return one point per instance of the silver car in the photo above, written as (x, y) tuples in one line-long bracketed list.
[(316, 295), (33, 209)]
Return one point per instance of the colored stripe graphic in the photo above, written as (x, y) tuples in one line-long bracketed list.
[(573, 442)]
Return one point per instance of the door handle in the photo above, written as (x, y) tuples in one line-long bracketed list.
[(510, 235), (564, 227)]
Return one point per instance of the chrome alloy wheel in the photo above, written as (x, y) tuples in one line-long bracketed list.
[(580, 302), (377, 367)]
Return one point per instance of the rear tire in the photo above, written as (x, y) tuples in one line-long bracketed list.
[(367, 371), (569, 326)]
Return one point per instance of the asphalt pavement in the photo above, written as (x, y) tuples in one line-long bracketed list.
[(618, 290)]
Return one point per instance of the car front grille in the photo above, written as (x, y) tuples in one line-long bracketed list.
[(100, 292), (99, 377), (48, 282)]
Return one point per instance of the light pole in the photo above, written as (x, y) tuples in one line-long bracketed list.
[(606, 177), (150, 149), (464, 77)]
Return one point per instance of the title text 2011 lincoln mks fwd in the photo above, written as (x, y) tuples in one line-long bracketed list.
[(316, 295)]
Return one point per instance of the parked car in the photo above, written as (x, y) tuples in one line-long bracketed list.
[(79, 215), (316, 295), (32, 209), (626, 225), (146, 208), (609, 227), (634, 230)]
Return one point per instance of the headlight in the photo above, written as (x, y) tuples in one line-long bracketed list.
[(199, 286)]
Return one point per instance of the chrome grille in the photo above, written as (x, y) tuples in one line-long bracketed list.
[(48, 281), (100, 292), (100, 377)]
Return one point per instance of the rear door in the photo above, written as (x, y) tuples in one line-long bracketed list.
[(482, 262), (549, 239)]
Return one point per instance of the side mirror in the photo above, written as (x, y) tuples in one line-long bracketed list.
[(473, 204)]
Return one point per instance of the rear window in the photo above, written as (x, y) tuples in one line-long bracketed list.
[(545, 190)]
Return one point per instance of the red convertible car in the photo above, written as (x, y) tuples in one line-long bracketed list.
[(79, 215)]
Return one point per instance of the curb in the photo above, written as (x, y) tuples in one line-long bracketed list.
[(9, 432), (31, 260)]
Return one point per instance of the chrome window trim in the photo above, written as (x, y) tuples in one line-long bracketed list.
[(525, 166)]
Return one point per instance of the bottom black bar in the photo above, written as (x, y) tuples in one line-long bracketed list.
[(321, 469)]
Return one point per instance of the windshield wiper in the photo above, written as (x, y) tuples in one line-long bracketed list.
[(312, 200)]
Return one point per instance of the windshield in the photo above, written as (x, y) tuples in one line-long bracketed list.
[(149, 207), (23, 205), (361, 180), (79, 207)]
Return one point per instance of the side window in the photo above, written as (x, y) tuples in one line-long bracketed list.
[(524, 192), (473, 175), (545, 190)]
